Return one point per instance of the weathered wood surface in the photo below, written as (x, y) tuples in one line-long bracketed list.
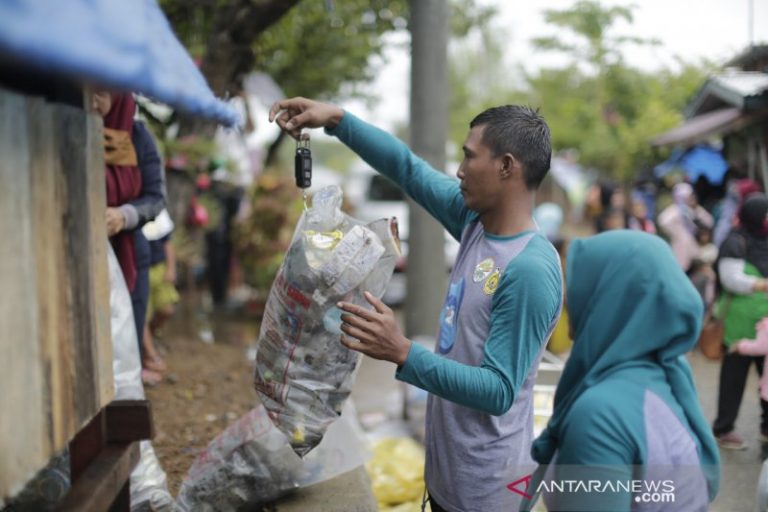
[(54, 306)]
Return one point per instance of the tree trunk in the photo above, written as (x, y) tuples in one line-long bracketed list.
[(273, 150), (426, 273), (229, 53)]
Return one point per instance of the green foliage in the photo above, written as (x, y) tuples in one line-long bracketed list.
[(319, 49), (192, 153), (478, 79), (261, 239), (599, 105), (313, 51)]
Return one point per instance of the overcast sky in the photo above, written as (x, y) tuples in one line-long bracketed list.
[(691, 29)]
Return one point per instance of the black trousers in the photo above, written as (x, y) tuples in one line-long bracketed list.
[(140, 301), (734, 371)]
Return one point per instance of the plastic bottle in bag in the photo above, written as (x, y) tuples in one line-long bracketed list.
[(303, 373)]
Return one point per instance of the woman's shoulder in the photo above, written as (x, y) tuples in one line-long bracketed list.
[(604, 427), (612, 403)]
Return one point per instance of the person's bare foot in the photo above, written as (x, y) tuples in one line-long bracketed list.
[(150, 377), (155, 363)]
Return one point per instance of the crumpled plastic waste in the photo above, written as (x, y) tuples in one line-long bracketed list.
[(303, 374), (46, 489), (251, 462)]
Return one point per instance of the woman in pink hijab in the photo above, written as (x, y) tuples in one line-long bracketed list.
[(680, 221)]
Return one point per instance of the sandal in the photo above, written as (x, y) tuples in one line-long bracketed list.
[(155, 364), (150, 377)]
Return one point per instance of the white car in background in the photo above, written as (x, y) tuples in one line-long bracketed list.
[(373, 196)]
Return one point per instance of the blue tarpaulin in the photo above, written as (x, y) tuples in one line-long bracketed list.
[(125, 44), (696, 162)]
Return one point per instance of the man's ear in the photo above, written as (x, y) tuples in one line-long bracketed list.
[(510, 167)]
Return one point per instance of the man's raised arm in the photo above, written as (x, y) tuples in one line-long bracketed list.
[(438, 193)]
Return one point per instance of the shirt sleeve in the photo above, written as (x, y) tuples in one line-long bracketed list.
[(523, 311), (152, 199), (435, 191), (733, 278)]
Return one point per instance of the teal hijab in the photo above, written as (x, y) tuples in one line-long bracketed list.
[(631, 307)]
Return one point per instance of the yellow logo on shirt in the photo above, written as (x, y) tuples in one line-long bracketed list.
[(492, 282)]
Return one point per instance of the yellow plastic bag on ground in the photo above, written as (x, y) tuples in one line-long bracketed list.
[(397, 474)]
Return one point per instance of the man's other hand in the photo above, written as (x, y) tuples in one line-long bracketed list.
[(293, 114), (377, 331)]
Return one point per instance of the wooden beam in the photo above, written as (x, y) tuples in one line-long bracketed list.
[(105, 480), (87, 445), (129, 420)]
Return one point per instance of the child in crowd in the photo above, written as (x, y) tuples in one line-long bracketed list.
[(757, 347), (702, 271), (162, 293)]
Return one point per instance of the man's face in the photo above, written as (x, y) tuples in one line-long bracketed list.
[(479, 173)]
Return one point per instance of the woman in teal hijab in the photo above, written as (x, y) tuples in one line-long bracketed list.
[(626, 412)]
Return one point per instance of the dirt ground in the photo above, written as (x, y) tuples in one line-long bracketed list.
[(206, 387)]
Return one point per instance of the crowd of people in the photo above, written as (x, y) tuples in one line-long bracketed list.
[(724, 253)]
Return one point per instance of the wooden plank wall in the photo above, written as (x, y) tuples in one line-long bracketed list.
[(55, 340)]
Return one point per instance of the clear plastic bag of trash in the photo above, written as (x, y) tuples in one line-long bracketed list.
[(46, 489), (303, 373), (149, 485), (251, 463)]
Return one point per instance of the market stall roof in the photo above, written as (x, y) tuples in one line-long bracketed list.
[(746, 90), (123, 44), (701, 127)]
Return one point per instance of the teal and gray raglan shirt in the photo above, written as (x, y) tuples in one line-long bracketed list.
[(504, 298), (627, 419)]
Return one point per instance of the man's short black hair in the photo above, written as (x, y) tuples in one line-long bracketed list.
[(521, 131)]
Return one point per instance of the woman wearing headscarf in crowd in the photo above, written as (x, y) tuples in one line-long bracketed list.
[(608, 203), (626, 406), (134, 197), (639, 220), (680, 222), (737, 191), (742, 269)]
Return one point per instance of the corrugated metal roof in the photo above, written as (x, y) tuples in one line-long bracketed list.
[(742, 89), (700, 128), (125, 44), (746, 83)]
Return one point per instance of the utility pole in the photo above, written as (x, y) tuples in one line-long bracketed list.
[(427, 268)]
